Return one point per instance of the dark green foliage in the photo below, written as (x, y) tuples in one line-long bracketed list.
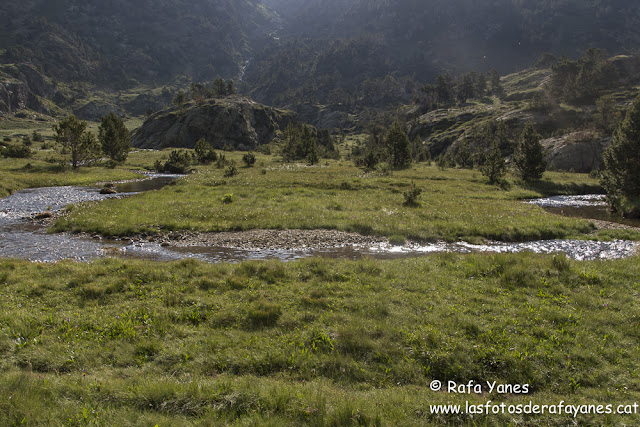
[(249, 159), (621, 175), (204, 152), (419, 150), (76, 141), (411, 195), (180, 99), (462, 156), (495, 87), (529, 158), (114, 138), (465, 88), (398, 146), (494, 166), (299, 143), (222, 88), (581, 81), (326, 145), (26, 141), (37, 137), (606, 117), (15, 151), (231, 171), (178, 162)]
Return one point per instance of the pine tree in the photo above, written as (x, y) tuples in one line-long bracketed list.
[(114, 138), (398, 146), (621, 176), (204, 152), (529, 156), (494, 166), (80, 144)]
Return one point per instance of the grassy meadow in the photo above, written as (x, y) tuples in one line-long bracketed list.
[(318, 341), (315, 342), (455, 204)]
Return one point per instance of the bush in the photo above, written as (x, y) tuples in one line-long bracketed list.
[(37, 137), (411, 195), (494, 166), (249, 159), (221, 161), (178, 162), (204, 152), (231, 171), (227, 198), (16, 151)]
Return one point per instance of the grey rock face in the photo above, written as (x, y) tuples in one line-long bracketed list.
[(235, 120)]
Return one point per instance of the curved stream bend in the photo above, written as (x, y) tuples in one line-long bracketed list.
[(23, 239)]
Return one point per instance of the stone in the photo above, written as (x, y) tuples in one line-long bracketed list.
[(234, 120)]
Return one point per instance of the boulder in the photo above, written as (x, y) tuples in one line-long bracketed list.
[(578, 151), (235, 120)]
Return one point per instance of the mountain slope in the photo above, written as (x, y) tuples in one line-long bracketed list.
[(111, 41)]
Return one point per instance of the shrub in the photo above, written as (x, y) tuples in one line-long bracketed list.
[(37, 137), (204, 152), (227, 198), (16, 151), (494, 167), (221, 161), (231, 171), (411, 195), (249, 159), (178, 162)]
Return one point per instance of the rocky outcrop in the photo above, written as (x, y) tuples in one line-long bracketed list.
[(15, 96), (578, 151), (96, 110), (22, 86), (236, 121)]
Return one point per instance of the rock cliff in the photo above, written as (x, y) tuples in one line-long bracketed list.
[(235, 120)]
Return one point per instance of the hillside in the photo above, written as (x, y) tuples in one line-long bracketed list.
[(357, 46), (115, 42)]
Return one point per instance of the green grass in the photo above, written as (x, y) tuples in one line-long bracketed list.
[(315, 342), (454, 204)]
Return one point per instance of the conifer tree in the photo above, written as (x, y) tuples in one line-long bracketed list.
[(398, 146), (621, 176), (114, 138), (494, 167), (529, 156)]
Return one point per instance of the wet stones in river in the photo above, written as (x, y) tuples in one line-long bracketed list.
[(108, 189)]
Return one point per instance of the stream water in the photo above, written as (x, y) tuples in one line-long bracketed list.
[(21, 238)]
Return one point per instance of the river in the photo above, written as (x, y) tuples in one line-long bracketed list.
[(20, 237)]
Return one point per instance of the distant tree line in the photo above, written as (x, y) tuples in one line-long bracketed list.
[(199, 92), (303, 142), (447, 90)]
